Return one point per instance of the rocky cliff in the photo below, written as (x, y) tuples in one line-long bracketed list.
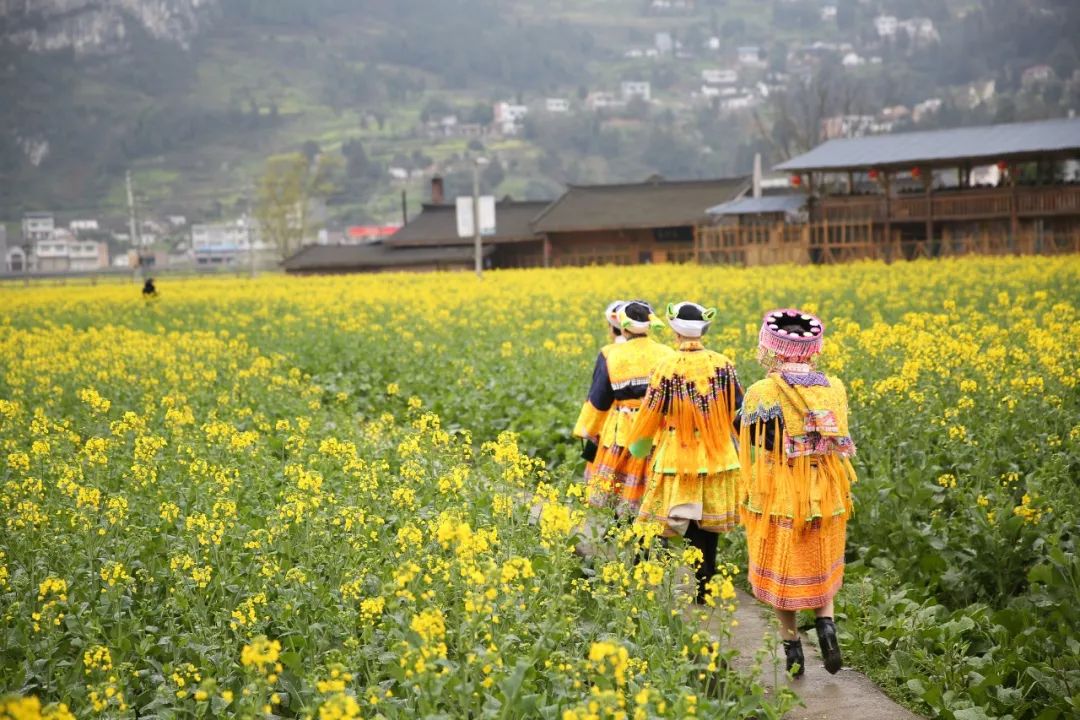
[(97, 27)]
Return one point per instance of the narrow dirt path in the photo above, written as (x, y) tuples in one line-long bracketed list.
[(848, 695)]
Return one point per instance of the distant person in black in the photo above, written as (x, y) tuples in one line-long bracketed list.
[(148, 289)]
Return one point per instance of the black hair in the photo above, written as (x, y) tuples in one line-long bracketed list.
[(637, 310), (689, 312), (617, 332)]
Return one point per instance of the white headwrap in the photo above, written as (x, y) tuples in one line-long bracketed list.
[(690, 328), (611, 313), (638, 327)]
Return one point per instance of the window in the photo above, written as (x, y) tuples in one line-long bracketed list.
[(683, 234)]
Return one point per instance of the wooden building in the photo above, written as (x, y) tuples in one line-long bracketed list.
[(514, 243), (1012, 188), (378, 257), (627, 224)]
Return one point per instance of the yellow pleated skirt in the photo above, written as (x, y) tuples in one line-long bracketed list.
[(710, 499)]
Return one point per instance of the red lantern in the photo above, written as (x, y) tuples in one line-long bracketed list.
[(873, 174), (796, 180), (916, 172), (1002, 165)]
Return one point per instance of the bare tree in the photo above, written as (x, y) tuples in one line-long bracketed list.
[(288, 183), (798, 112)]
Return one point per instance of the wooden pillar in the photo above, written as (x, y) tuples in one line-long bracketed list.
[(1014, 217), (886, 185), (697, 244), (928, 182), (547, 250)]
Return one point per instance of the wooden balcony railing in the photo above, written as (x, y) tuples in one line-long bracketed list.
[(823, 243), (974, 204)]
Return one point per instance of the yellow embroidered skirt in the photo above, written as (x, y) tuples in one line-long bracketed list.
[(798, 568), (710, 499)]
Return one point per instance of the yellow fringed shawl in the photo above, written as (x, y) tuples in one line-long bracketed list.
[(807, 474), (688, 412)]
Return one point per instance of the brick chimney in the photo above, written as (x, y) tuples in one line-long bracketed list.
[(437, 195)]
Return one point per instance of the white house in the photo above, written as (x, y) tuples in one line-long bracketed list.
[(509, 117), (828, 12), (38, 226), (78, 226), (847, 126), (399, 174), (557, 105), (853, 59), (925, 109), (921, 30), (750, 55), (710, 91), (603, 100), (717, 76), (737, 102), (631, 89), (886, 26), (225, 243), (64, 252), (1037, 74), (713, 43)]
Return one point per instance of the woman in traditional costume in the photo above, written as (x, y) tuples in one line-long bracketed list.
[(795, 451), (688, 414), (620, 378), (589, 443)]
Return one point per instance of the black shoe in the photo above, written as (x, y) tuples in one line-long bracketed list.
[(830, 646), (795, 661)]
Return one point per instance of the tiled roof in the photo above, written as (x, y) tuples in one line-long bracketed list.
[(988, 143), (655, 203)]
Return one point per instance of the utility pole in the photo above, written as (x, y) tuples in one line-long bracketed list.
[(248, 220), (477, 245), (132, 225)]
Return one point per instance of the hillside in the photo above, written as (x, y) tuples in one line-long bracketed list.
[(193, 95)]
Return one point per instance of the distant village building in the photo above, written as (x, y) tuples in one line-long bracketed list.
[(37, 226), (81, 226), (828, 13), (738, 102), (557, 105), (750, 56), (509, 117), (717, 76), (64, 252), (853, 59), (847, 126), (980, 92), (631, 89), (886, 26), (713, 43), (177, 221), (925, 109), (921, 30), (603, 101), (225, 243), (1037, 74)]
